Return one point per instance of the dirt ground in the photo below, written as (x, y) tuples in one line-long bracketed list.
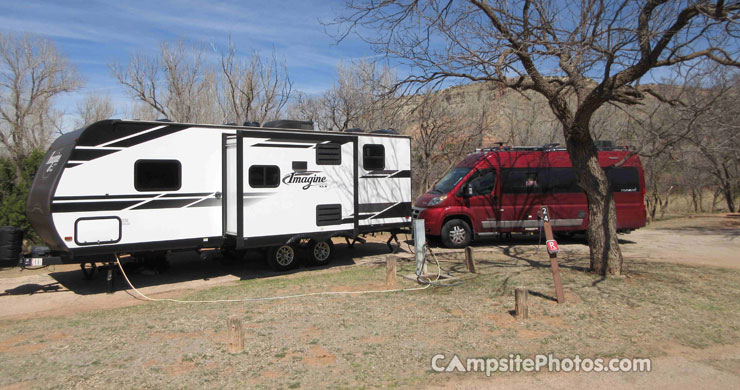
[(59, 331)]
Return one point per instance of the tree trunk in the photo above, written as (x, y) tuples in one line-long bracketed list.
[(606, 257), (729, 198)]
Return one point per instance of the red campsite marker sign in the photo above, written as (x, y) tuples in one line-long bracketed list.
[(552, 250)]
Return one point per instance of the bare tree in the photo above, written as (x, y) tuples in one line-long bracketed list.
[(94, 107), (361, 97), (178, 83), (597, 50), (442, 134), (142, 111), (32, 75), (711, 128), (253, 90), (523, 119)]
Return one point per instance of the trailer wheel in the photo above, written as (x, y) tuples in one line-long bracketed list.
[(320, 252), (282, 258), (456, 233)]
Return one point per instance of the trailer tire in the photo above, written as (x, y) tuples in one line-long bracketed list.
[(320, 252), (282, 257), (456, 233)]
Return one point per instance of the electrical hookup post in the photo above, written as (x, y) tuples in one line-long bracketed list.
[(552, 250)]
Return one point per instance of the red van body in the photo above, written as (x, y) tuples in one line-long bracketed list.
[(501, 190)]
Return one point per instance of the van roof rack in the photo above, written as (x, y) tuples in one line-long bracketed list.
[(551, 147)]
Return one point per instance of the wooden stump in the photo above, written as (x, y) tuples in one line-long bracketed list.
[(236, 335), (520, 298), (469, 260), (390, 271)]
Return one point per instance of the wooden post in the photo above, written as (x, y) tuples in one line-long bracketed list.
[(553, 256), (236, 335), (390, 271), (520, 303), (469, 260)]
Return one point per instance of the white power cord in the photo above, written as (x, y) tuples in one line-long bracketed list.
[(143, 296)]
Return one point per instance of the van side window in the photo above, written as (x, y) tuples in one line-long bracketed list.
[(483, 183), (264, 176), (560, 181), (157, 175), (373, 157), (623, 179), (329, 154), (521, 181)]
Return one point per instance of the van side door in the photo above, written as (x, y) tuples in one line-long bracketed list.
[(482, 200), (521, 195)]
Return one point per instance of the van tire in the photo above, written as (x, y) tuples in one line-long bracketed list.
[(320, 252), (282, 257), (456, 233)]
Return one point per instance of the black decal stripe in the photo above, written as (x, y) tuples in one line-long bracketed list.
[(102, 132), (210, 202), (348, 220), (134, 196), (399, 210), (164, 204), (91, 206), (373, 207), (72, 165), (89, 154), (97, 197), (383, 172), (192, 195), (167, 130), (400, 174), (282, 146)]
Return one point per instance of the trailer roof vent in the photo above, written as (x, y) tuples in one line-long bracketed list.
[(164, 120), (251, 124), (354, 130), (230, 124), (289, 124), (384, 131)]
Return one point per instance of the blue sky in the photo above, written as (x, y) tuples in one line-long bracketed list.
[(96, 33)]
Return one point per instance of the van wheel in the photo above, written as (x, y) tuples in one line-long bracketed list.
[(282, 258), (456, 233), (320, 252)]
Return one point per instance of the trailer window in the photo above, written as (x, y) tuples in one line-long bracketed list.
[(264, 176), (157, 175), (329, 154), (624, 179), (373, 157)]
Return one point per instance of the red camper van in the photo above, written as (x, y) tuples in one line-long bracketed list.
[(500, 190)]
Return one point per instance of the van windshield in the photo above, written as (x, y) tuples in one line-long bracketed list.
[(448, 182)]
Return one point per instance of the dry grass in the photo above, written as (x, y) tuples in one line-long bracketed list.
[(374, 340)]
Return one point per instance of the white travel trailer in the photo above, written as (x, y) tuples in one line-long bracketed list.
[(122, 186)]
